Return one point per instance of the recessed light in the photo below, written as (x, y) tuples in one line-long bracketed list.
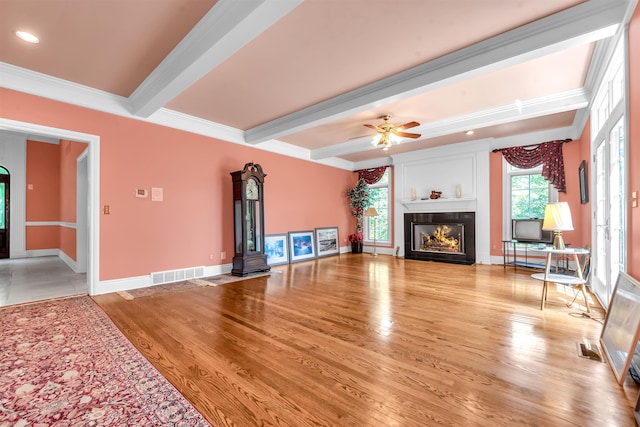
[(28, 37), (469, 132)]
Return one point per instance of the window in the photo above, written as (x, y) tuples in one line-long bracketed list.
[(379, 196), (526, 194)]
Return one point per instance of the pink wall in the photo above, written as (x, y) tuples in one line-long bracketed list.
[(52, 171), (633, 224), (495, 203), (194, 223), (43, 199)]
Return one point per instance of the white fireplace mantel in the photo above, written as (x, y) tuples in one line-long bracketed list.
[(463, 204)]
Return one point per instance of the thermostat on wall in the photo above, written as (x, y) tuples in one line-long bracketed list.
[(141, 193)]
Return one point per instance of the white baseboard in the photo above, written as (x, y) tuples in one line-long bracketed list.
[(131, 283), (67, 260)]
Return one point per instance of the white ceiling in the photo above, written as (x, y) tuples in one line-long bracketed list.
[(302, 77)]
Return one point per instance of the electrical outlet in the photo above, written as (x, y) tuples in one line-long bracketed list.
[(210, 256), (223, 255)]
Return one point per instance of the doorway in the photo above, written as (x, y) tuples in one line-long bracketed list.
[(92, 193), (609, 205), (4, 212)]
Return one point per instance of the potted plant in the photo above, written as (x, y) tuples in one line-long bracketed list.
[(359, 196), (356, 242)]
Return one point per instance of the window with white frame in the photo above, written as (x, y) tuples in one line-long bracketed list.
[(380, 198), (525, 195)]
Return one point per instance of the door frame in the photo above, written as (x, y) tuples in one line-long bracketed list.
[(93, 188), (7, 209)]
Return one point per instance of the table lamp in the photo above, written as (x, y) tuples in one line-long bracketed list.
[(557, 218), (371, 211)]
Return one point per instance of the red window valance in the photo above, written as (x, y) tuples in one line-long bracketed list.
[(373, 175), (548, 154)]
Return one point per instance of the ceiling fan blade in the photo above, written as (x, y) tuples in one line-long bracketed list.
[(407, 125), (373, 127), (407, 134)]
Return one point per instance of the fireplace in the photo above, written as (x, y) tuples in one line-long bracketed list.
[(446, 237)]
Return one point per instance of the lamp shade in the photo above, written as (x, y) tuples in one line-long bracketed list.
[(371, 211), (557, 217)]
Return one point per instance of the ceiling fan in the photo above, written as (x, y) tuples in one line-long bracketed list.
[(388, 132)]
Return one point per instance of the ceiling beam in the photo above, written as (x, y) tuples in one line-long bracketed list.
[(584, 23), (538, 107), (226, 28)]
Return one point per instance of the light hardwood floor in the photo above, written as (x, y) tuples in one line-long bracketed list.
[(378, 341)]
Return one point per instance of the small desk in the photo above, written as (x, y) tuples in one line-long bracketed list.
[(564, 279)]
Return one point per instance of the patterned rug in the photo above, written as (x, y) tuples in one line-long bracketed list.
[(186, 285), (64, 363)]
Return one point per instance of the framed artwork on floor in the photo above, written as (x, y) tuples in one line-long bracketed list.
[(276, 247), (621, 330), (327, 241), (301, 245)]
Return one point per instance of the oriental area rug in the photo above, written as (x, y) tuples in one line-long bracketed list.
[(64, 363)]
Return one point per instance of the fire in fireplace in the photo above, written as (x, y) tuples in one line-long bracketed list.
[(440, 238), (446, 236)]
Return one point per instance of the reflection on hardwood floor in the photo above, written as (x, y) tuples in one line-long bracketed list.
[(364, 341)]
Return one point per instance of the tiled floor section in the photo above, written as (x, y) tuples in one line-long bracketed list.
[(34, 279)]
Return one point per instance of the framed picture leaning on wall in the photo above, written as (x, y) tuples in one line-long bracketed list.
[(621, 330), (301, 245), (327, 241), (276, 247)]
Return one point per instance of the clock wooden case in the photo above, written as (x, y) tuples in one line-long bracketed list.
[(248, 220)]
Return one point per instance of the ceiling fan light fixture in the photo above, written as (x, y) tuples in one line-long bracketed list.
[(388, 133)]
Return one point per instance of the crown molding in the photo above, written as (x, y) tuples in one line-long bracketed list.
[(42, 85), (34, 83), (225, 29), (584, 23), (538, 107)]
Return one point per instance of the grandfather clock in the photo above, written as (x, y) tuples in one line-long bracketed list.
[(248, 221)]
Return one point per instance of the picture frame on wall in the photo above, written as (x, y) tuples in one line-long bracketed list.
[(327, 241), (276, 247), (584, 188), (302, 245)]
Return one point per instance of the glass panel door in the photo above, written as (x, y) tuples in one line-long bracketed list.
[(610, 208)]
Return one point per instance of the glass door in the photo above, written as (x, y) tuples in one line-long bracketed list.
[(609, 209)]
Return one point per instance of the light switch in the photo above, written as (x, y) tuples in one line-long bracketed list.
[(634, 199), (157, 194), (107, 210), (29, 186)]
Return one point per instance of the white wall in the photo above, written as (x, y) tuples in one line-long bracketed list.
[(442, 169), (13, 156)]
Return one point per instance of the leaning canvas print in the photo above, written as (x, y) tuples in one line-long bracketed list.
[(302, 245)]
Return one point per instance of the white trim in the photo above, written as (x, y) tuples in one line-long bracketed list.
[(545, 105), (67, 260), (50, 223), (138, 282), (35, 253), (575, 26), (93, 153), (226, 28)]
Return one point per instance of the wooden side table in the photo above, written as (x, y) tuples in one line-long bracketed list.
[(576, 281)]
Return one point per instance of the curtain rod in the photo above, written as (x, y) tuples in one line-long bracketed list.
[(564, 141)]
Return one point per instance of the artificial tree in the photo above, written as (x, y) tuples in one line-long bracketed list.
[(359, 196)]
